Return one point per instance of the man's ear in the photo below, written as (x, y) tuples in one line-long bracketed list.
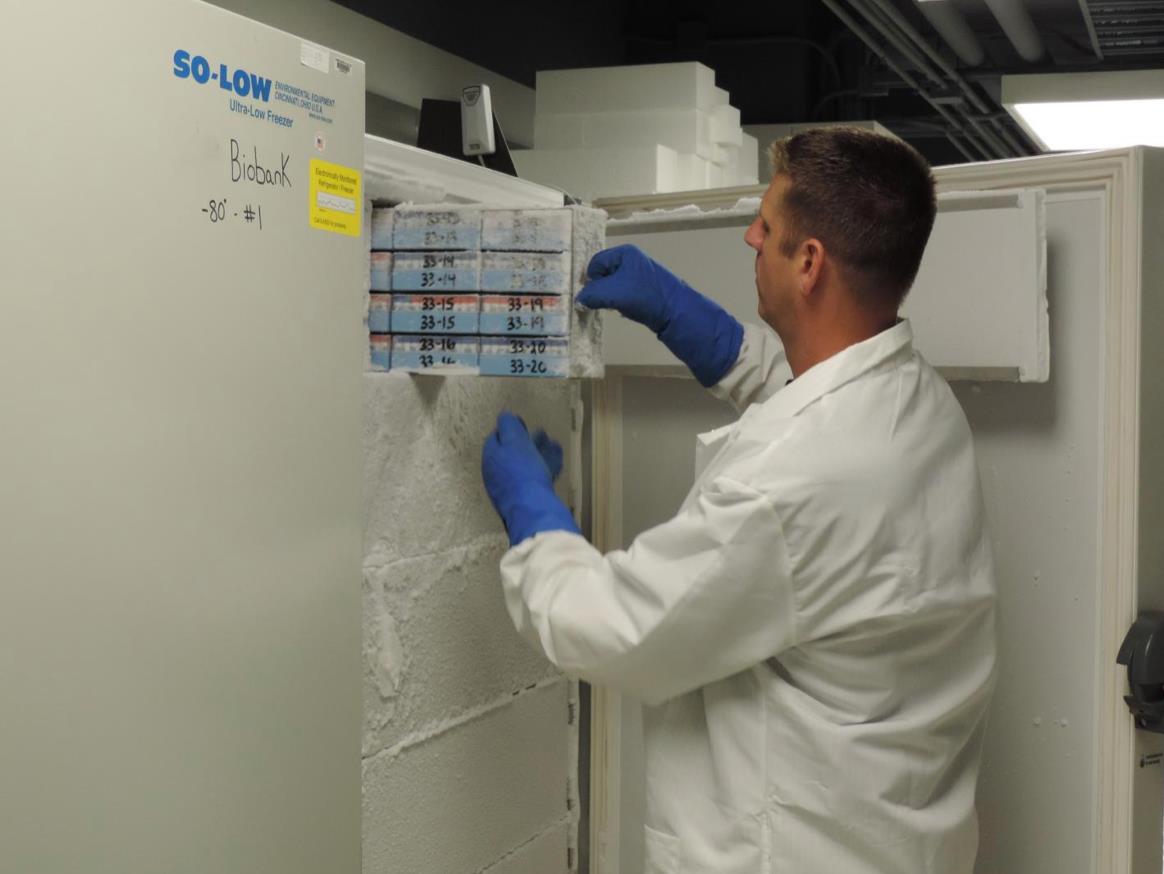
[(810, 265)]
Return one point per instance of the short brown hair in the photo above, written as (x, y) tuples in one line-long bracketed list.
[(868, 197)]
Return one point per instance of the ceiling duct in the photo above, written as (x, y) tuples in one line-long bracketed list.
[(945, 18), (1016, 23)]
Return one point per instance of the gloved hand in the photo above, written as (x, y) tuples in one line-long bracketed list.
[(698, 331), (519, 473)]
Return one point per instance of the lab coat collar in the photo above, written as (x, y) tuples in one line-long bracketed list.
[(844, 367)]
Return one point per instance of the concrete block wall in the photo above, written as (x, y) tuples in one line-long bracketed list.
[(467, 751)]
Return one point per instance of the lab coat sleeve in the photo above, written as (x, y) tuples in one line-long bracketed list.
[(760, 371), (693, 600)]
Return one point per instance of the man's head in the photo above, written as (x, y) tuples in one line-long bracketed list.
[(841, 230)]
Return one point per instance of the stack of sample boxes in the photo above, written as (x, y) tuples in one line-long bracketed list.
[(487, 291)]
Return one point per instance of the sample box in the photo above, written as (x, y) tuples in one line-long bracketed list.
[(524, 314), (525, 356), (380, 313), (480, 289), (526, 272), (419, 352), (436, 271), (436, 313), (383, 220), (428, 228), (381, 349), (526, 230), (381, 271)]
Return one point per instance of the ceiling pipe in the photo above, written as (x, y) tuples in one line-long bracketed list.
[(966, 140), (884, 18), (1016, 23), (945, 18), (886, 8)]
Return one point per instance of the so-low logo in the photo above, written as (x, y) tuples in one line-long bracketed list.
[(238, 81)]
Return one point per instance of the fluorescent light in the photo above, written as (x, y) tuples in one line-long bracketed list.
[(1080, 111), (1093, 124)]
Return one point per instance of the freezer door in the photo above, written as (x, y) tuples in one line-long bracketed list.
[(180, 535)]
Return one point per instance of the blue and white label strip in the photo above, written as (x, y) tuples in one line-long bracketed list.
[(526, 272), (436, 229), (380, 313), (436, 271), (381, 271), (381, 349), (526, 230), (382, 223), (525, 314), (418, 352), (436, 313), (524, 356)]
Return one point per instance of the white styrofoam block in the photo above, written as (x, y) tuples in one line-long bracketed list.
[(592, 173), (725, 126), (726, 156), (692, 172), (473, 794), (720, 97), (685, 130), (525, 230), (685, 85), (749, 159), (382, 221)]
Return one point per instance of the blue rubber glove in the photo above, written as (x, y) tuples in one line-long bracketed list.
[(697, 330), (519, 473)]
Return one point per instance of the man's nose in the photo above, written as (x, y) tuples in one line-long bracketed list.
[(752, 236)]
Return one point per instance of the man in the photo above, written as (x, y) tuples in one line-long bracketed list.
[(813, 633)]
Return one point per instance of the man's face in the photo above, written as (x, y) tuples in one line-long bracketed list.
[(776, 281)]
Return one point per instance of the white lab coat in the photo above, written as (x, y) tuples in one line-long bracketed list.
[(813, 632)]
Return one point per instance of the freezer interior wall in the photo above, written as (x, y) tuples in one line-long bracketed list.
[(1038, 450)]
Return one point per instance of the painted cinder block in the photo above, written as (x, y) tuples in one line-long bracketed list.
[(380, 313), (525, 314), (423, 352), (381, 352), (383, 220), (526, 230), (381, 271), (421, 228), (533, 356), (471, 795), (435, 313), (436, 271), (526, 272)]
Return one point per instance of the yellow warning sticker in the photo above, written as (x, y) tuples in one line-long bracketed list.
[(335, 203)]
